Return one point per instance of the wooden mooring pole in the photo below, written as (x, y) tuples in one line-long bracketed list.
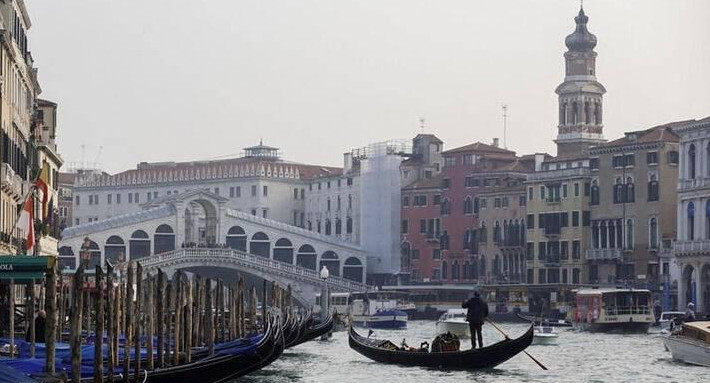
[(75, 334), (99, 335)]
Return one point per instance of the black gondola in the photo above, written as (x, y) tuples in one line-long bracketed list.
[(487, 357), (315, 330), (545, 321)]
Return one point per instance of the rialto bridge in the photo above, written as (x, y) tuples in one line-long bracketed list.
[(195, 231)]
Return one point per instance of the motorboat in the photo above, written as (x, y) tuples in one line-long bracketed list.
[(690, 343), (378, 309), (664, 322), (545, 321), (453, 321), (545, 335)]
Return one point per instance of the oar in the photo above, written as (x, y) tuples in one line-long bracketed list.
[(507, 337)]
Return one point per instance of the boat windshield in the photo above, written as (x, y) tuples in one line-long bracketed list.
[(627, 302)]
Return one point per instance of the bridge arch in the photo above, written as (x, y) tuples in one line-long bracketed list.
[(260, 245), (95, 258), (67, 259), (237, 238), (330, 260), (195, 231), (139, 245), (163, 239), (306, 257), (115, 249), (353, 269), (283, 251)]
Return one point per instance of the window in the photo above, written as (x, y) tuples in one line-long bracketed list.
[(652, 158), (328, 204), (415, 254), (118, 198), (594, 200), (405, 201), (594, 163), (653, 189), (469, 159), (496, 202), (564, 190), (530, 193), (619, 192), (691, 220), (237, 191), (576, 189), (349, 225), (630, 160), (575, 219), (541, 276), (253, 190), (468, 205), (328, 184), (673, 157), (130, 197), (446, 183), (653, 234), (445, 207), (505, 202), (231, 192), (630, 196), (437, 199), (484, 203), (587, 189), (295, 193), (422, 226), (576, 249), (303, 193), (77, 221), (617, 161), (349, 181), (522, 201), (531, 221), (265, 191), (449, 161), (530, 251), (338, 204), (629, 234), (405, 226), (109, 198), (253, 211), (541, 250), (339, 183), (691, 161), (136, 198), (564, 219), (91, 199), (564, 249), (542, 192), (149, 196), (420, 200)]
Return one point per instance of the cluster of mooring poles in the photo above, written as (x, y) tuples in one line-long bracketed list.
[(125, 308)]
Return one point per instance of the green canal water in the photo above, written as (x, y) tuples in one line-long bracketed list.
[(577, 357)]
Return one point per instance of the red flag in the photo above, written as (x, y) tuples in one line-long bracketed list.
[(25, 222)]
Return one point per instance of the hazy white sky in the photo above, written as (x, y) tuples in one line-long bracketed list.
[(159, 80)]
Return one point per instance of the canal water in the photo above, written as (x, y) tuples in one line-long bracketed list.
[(577, 357)]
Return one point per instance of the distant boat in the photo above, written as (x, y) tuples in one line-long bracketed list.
[(546, 321), (453, 321), (545, 335), (690, 344), (378, 309), (664, 322), (613, 310)]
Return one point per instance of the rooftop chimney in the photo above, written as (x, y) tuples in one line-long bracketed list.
[(495, 142)]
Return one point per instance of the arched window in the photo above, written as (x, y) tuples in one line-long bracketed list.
[(653, 188), (630, 190), (466, 270), (619, 190), (612, 232), (260, 245), (338, 204), (310, 226), (475, 205), (444, 270), (352, 269), (349, 225), (327, 227), (139, 245), (484, 233), (496, 233), (318, 226), (445, 210), (95, 257), (691, 221), (330, 260), (328, 204), (163, 239), (237, 238), (691, 161), (115, 249), (707, 220), (594, 198), (283, 251), (455, 272), (306, 257), (350, 201), (595, 235), (653, 233), (603, 230), (338, 226), (629, 234), (468, 205)]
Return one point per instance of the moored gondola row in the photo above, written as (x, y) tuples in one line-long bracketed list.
[(127, 326)]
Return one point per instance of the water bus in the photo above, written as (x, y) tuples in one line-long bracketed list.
[(379, 309), (613, 310)]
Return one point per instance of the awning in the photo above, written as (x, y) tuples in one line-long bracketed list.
[(22, 267)]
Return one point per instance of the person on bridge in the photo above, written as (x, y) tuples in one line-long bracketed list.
[(477, 313)]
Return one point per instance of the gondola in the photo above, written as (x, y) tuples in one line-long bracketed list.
[(298, 327), (545, 321), (315, 330), (223, 365), (487, 357)]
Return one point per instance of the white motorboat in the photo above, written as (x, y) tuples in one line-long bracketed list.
[(664, 322), (544, 335), (690, 343), (453, 321)]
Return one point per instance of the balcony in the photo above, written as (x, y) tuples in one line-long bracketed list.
[(11, 182), (605, 254), (693, 183), (691, 247), (432, 236), (558, 174), (552, 201)]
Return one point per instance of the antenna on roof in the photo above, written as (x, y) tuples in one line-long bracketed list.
[(505, 125), (421, 123), (83, 149)]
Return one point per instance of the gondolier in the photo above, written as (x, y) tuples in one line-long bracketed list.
[(477, 313)]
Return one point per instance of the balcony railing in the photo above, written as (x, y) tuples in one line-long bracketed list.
[(605, 254), (691, 246), (11, 182), (556, 174), (694, 183)]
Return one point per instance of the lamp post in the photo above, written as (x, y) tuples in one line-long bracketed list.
[(324, 298)]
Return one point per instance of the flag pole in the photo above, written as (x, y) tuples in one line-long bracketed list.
[(24, 200)]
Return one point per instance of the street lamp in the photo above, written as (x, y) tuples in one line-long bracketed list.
[(324, 296)]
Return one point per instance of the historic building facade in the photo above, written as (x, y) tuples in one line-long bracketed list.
[(631, 228), (692, 248), (421, 229)]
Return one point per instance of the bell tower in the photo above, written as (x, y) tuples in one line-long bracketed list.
[(580, 96)]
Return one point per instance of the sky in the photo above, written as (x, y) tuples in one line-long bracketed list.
[(183, 80)]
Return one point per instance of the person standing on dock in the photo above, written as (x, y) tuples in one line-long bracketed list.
[(477, 313)]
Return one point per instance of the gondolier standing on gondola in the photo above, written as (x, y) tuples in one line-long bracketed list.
[(477, 313)]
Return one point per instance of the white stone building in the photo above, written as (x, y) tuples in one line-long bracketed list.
[(692, 247)]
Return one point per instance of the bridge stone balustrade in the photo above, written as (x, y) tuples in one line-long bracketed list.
[(305, 283)]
